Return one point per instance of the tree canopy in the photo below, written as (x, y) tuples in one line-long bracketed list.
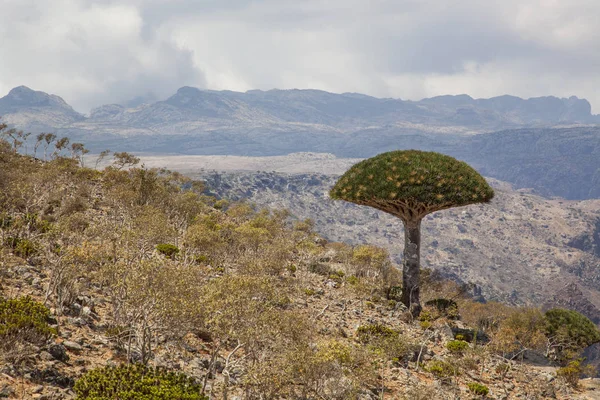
[(411, 184)]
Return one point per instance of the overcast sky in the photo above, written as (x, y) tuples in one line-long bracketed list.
[(104, 51)]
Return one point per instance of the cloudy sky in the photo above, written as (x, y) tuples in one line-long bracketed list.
[(93, 52)]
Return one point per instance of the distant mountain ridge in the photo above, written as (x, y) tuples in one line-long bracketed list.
[(191, 110), (545, 143), (36, 110)]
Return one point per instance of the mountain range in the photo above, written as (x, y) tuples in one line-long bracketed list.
[(547, 143), (193, 110)]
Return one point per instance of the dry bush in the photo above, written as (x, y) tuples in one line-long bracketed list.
[(484, 317), (522, 329)]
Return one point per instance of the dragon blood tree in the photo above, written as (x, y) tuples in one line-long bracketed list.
[(410, 184)]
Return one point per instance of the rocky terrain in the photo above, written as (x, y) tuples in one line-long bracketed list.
[(109, 267), (83, 343), (520, 249)]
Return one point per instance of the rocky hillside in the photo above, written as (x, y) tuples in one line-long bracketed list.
[(102, 270), (520, 249)]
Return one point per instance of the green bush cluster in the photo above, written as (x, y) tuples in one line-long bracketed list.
[(25, 320), (442, 369), (5, 220), (319, 268), (457, 346), (367, 333), (478, 388), (136, 382), (395, 293), (445, 307), (167, 249), (572, 328), (21, 247)]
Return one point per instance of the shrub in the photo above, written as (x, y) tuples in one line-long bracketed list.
[(72, 205), (502, 368), (523, 328), (384, 341), (573, 371), (478, 388), (442, 369), (221, 204), (425, 325), (395, 293), (21, 247), (25, 248), (169, 250), (24, 320), (444, 307), (5, 220), (571, 330), (426, 315), (366, 333), (135, 381), (457, 346), (319, 268)]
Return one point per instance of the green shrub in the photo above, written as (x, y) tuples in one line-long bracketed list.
[(221, 204), (25, 320), (427, 315), (352, 279), (385, 342), (319, 268), (457, 346), (395, 293), (11, 241), (5, 220), (571, 328), (25, 248), (445, 307), (136, 382), (478, 388), (367, 333), (169, 250), (574, 370), (442, 369), (21, 247), (201, 259)]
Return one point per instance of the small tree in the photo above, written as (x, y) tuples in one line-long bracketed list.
[(409, 185), (48, 138), (569, 333)]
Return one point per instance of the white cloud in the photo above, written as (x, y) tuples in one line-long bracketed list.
[(93, 52)]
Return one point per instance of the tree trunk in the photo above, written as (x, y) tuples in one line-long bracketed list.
[(411, 267)]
